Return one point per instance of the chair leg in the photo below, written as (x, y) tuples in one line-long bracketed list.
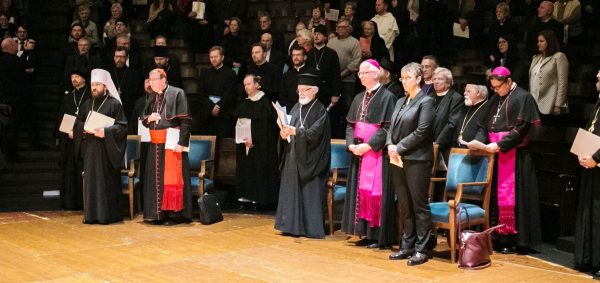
[(130, 199), (330, 208), (453, 231)]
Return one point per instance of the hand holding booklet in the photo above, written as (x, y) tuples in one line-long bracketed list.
[(585, 143), (67, 123), (283, 119), (243, 130), (173, 140), (96, 120)]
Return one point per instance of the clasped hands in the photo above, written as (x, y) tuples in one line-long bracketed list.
[(287, 131), (359, 149), (587, 162)]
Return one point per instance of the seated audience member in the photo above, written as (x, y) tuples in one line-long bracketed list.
[(91, 29), (110, 29), (160, 18)]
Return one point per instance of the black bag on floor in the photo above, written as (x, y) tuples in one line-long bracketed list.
[(210, 211)]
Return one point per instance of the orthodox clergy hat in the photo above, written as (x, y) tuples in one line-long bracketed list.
[(122, 20), (84, 73), (309, 76), (103, 77), (387, 65), (161, 51), (320, 28)]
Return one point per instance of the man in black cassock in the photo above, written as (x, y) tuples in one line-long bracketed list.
[(369, 120), (217, 90), (102, 151), (163, 61), (472, 115), (167, 190), (288, 96), (128, 81), (269, 73), (305, 163), (71, 194), (514, 198)]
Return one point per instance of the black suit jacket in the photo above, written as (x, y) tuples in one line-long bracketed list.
[(446, 117), (411, 130)]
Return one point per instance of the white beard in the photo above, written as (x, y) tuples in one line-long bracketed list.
[(304, 100), (468, 102)]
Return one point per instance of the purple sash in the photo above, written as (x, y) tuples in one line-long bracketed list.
[(369, 177), (506, 186)]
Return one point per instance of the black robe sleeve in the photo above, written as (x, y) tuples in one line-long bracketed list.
[(456, 106), (115, 136), (312, 145)]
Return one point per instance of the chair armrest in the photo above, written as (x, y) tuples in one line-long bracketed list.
[(131, 171), (459, 190), (334, 177), (202, 172), (437, 179)]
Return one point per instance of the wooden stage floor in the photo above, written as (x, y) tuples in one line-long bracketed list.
[(56, 247)]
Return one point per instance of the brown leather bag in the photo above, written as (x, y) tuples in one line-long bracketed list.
[(475, 247)]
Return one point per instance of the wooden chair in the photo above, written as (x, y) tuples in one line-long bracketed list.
[(338, 170), (202, 151), (470, 178), (436, 150), (129, 171)]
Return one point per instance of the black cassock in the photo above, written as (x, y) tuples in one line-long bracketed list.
[(174, 113), (516, 113), (102, 159), (587, 224), (256, 175), (304, 174), (469, 121), (71, 194), (379, 111)]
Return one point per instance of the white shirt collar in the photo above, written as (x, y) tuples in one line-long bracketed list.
[(257, 96)]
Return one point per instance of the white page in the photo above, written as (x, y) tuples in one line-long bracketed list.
[(173, 140), (214, 99), (199, 8), (585, 143), (332, 15), (281, 114), (96, 120), (143, 132), (67, 123), (243, 130), (456, 31)]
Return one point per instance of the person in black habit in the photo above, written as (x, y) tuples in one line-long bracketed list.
[(389, 78), (127, 80), (288, 96), (448, 105), (217, 92), (77, 31), (256, 176), (71, 197), (472, 115), (162, 61), (305, 163), (327, 63), (269, 73), (102, 151)]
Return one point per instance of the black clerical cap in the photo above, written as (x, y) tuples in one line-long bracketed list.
[(321, 28), (309, 76), (387, 65), (161, 51), (82, 72), (122, 20)]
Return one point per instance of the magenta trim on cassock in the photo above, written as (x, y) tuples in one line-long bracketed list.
[(506, 186), (369, 177)]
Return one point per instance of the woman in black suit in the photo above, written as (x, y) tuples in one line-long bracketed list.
[(410, 143)]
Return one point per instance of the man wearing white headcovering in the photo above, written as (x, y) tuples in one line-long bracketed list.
[(102, 151)]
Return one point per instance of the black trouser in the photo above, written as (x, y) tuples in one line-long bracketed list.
[(411, 184)]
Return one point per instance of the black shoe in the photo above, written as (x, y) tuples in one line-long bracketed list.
[(402, 254), (374, 245), (418, 258), (596, 274), (170, 222), (363, 242), (507, 250)]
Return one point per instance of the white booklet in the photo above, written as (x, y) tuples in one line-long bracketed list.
[(458, 32), (585, 143), (243, 130), (67, 123), (332, 15), (199, 8), (143, 132), (282, 117), (96, 120), (173, 140)]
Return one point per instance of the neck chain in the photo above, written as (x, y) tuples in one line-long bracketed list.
[(466, 122), (77, 104), (593, 126), (101, 104), (365, 106), (159, 108), (302, 121), (320, 58), (500, 107)]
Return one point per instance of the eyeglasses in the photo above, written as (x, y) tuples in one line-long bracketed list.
[(405, 79), (299, 91), (470, 90), (364, 73), (496, 87)]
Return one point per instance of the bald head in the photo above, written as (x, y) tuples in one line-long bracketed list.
[(545, 10), (9, 45)]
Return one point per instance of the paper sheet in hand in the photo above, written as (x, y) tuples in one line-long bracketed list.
[(199, 8), (282, 116), (585, 143), (332, 15), (173, 139), (243, 130), (67, 123), (474, 144), (143, 132), (396, 161), (96, 120), (456, 31)]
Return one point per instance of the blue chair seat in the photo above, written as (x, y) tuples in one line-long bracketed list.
[(339, 193), (208, 183), (125, 180), (440, 212)]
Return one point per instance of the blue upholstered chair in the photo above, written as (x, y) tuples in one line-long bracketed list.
[(202, 151), (130, 171), (469, 177), (338, 170)]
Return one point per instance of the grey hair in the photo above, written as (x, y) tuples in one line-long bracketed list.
[(306, 35), (413, 68), (446, 73), (483, 90)]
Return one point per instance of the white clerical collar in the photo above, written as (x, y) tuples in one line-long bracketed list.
[(374, 88), (443, 93), (257, 96), (319, 48), (298, 68)]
